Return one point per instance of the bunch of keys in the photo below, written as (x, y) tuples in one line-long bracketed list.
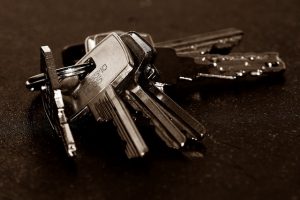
[(117, 75)]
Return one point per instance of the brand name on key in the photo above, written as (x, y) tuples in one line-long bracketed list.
[(98, 75), (94, 83)]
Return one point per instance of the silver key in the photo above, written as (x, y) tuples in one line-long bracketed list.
[(185, 122), (164, 126), (165, 114), (95, 91), (182, 120)]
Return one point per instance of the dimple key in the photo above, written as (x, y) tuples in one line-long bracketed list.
[(95, 92), (165, 127)]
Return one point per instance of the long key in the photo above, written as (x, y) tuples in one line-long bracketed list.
[(96, 94), (164, 127), (167, 108), (117, 110), (193, 128)]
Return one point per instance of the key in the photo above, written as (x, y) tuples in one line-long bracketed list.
[(184, 122), (164, 127), (160, 109), (97, 94), (53, 102), (193, 129)]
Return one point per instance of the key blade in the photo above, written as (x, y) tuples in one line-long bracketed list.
[(168, 132), (216, 41), (194, 129), (135, 145)]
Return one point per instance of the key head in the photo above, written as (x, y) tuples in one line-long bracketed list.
[(143, 55), (113, 64), (171, 66), (140, 45)]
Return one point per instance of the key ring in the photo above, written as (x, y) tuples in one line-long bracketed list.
[(37, 82)]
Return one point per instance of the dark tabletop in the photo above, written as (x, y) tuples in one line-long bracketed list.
[(252, 147)]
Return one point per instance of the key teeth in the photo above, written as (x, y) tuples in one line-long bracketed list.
[(188, 125), (135, 145), (165, 129)]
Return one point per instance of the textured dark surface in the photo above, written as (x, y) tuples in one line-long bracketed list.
[(252, 150)]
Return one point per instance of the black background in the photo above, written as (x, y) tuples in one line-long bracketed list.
[(252, 147)]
